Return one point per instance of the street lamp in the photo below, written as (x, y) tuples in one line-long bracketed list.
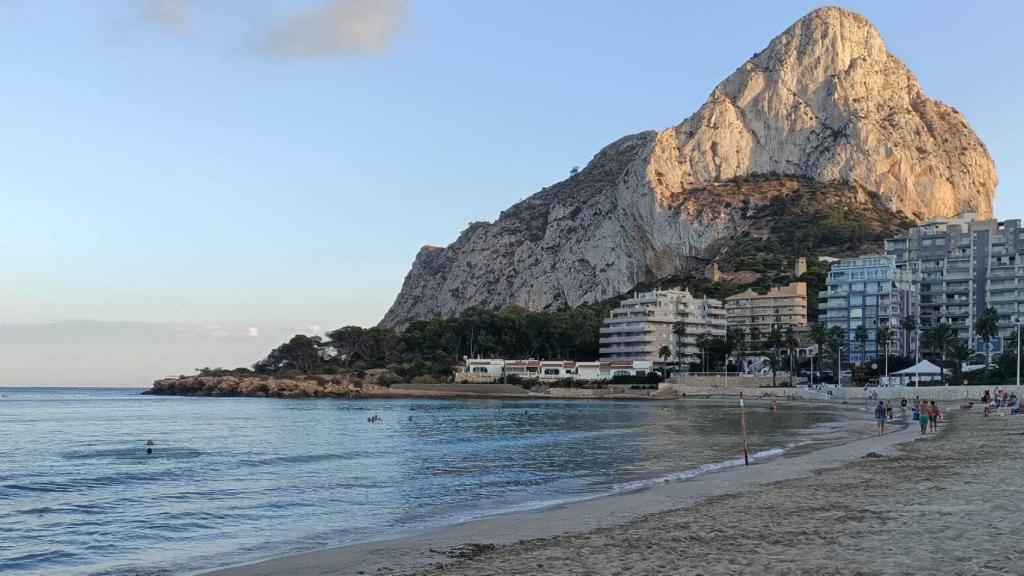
[(839, 367), (1016, 320)]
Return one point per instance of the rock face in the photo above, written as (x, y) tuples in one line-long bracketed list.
[(825, 100)]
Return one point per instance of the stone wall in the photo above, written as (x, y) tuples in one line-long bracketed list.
[(463, 388), (597, 393), (939, 393), (723, 381)]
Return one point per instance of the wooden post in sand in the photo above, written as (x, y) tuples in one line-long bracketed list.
[(743, 432)]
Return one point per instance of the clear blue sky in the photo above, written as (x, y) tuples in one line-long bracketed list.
[(276, 165)]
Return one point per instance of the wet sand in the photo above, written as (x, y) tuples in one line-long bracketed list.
[(947, 504)]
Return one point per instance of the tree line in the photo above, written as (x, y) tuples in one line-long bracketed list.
[(431, 347)]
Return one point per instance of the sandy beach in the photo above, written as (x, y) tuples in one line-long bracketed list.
[(891, 505)]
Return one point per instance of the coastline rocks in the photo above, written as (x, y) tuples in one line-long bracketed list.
[(258, 386)]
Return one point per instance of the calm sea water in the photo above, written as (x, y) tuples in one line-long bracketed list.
[(235, 479)]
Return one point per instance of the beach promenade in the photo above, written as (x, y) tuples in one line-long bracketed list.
[(945, 504)]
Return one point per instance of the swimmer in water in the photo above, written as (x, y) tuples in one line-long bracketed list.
[(149, 446)]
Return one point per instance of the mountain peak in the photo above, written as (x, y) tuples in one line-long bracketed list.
[(826, 100), (824, 112)]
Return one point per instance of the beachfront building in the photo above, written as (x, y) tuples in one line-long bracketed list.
[(869, 291), (645, 322), (782, 307), (494, 369), (965, 266)]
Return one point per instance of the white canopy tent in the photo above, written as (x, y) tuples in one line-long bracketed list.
[(923, 371)]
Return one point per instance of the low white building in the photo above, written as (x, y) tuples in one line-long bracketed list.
[(491, 369)]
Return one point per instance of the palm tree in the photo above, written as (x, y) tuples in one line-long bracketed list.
[(861, 336), (987, 327), (937, 340), (679, 330), (819, 334), (773, 343), (882, 337), (736, 338), (790, 341), (959, 352), (836, 339), (664, 353), (702, 345), (908, 323)]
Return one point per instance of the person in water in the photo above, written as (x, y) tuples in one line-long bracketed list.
[(149, 446), (933, 416), (880, 417), (922, 418)]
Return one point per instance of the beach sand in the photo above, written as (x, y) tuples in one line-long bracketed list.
[(946, 504)]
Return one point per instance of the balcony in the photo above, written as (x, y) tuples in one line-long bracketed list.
[(613, 339)]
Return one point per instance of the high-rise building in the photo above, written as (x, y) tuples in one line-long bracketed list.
[(783, 306), (965, 266), (642, 324), (869, 291)]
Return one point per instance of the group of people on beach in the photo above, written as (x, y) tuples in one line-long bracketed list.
[(1001, 399), (926, 413)]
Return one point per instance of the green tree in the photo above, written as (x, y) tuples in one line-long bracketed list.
[(679, 330), (908, 323), (702, 344), (883, 336), (987, 328), (790, 341), (836, 341), (736, 339), (959, 353), (302, 353), (773, 342), (665, 353), (819, 335), (937, 341), (860, 335), (754, 341)]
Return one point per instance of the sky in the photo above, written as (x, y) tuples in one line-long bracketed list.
[(186, 183)]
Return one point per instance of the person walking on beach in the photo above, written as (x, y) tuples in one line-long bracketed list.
[(880, 417), (933, 416), (922, 417)]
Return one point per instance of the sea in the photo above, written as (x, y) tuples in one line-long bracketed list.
[(233, 480)]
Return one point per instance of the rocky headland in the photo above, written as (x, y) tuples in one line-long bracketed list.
[(825, 102)]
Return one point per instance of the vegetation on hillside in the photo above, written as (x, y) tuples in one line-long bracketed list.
[(432, 347), (800, 218)]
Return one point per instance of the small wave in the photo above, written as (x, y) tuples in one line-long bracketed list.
[(694, 472), (624, 487)]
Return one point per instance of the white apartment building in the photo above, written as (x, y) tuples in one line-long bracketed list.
[(642, 324), (783, 306), (869, 291), (965, 265)]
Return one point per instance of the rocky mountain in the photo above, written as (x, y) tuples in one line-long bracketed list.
[(825, 102)]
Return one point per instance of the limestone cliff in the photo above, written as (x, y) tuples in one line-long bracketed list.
[(824, 101)]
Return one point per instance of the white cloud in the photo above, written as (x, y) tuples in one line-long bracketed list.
[(316, 330), (252, 332), (335, 28), (173, 16)]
